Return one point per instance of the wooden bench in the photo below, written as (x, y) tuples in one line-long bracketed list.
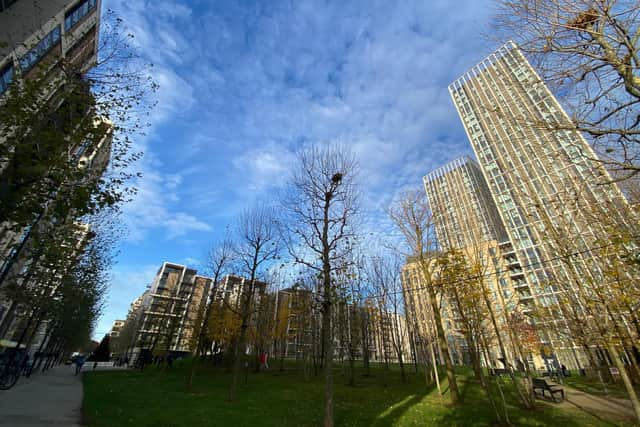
[(542, 384), (499, 372)]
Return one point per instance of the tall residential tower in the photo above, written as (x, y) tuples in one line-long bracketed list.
[(540, 172), (464, 212)]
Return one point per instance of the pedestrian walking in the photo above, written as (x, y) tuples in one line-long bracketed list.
[(79, 362)]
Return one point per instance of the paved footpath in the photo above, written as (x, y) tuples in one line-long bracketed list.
[(600, 407), (52, 398)]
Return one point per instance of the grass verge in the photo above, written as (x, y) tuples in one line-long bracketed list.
[(273, 398)]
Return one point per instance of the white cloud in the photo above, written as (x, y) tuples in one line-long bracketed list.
[(155, 208), (264, 167), (244, 84), (127, 283), (192, 262)]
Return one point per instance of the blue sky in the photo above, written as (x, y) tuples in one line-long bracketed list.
[(244, 84)]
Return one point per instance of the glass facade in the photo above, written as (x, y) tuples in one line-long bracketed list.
[(6, 77), (77, 12), (540, 172), (464, 212), (43, 47)]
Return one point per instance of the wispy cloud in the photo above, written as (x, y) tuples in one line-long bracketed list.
[(244, 84), (156, 207), (127, 283)]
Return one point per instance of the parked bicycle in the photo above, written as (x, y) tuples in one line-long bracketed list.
[(12, 364)]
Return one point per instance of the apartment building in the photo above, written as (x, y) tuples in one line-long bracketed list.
[(298, 322), (548, 191), (464, 213), (47, 33), (232, 288), (172, 310), (466, 219), (116, 328), (126, 342), (295, 323), (50, 40)]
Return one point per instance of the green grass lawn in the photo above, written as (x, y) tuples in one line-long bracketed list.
[(161, 399)]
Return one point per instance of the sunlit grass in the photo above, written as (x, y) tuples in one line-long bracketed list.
[(273, 398)]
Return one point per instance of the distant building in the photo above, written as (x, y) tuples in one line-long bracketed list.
[(294, 323), (116, 328), (298, 325), (172, 310), (231, 289)]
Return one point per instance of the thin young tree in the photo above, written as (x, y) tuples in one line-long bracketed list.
[(597, 281), (413, 218), (384, 273), (322, 205), (460, 285), (257, 246), (218, 261), (348, 317)]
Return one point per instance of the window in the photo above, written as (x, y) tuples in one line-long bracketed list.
[(76, 13), (41, 49), (80, 150), (4, 4), (6, 76)]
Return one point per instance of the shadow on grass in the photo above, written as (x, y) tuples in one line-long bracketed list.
[(380, 399), (284, 399), (396, 411)]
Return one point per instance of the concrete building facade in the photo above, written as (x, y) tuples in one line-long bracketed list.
[(116, 328), (171, 311), (49, 40), (466, 219)]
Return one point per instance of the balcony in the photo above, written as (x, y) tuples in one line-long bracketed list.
[(525, 296), (519, 284), (516, 272), (526, 304)]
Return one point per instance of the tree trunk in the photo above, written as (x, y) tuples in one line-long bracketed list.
[(240, 345), (497, 380), (435, 368), (475, 357), (238, 357), (626, 380), (328, 360), (444, 346)]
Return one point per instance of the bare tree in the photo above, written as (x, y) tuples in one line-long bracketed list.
[(218, 260), (412, 216), (384, 272), (420, 324), (322, 207), (589, 50), (258, 244)]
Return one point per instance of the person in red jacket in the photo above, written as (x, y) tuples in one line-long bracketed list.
[(263, 361)]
